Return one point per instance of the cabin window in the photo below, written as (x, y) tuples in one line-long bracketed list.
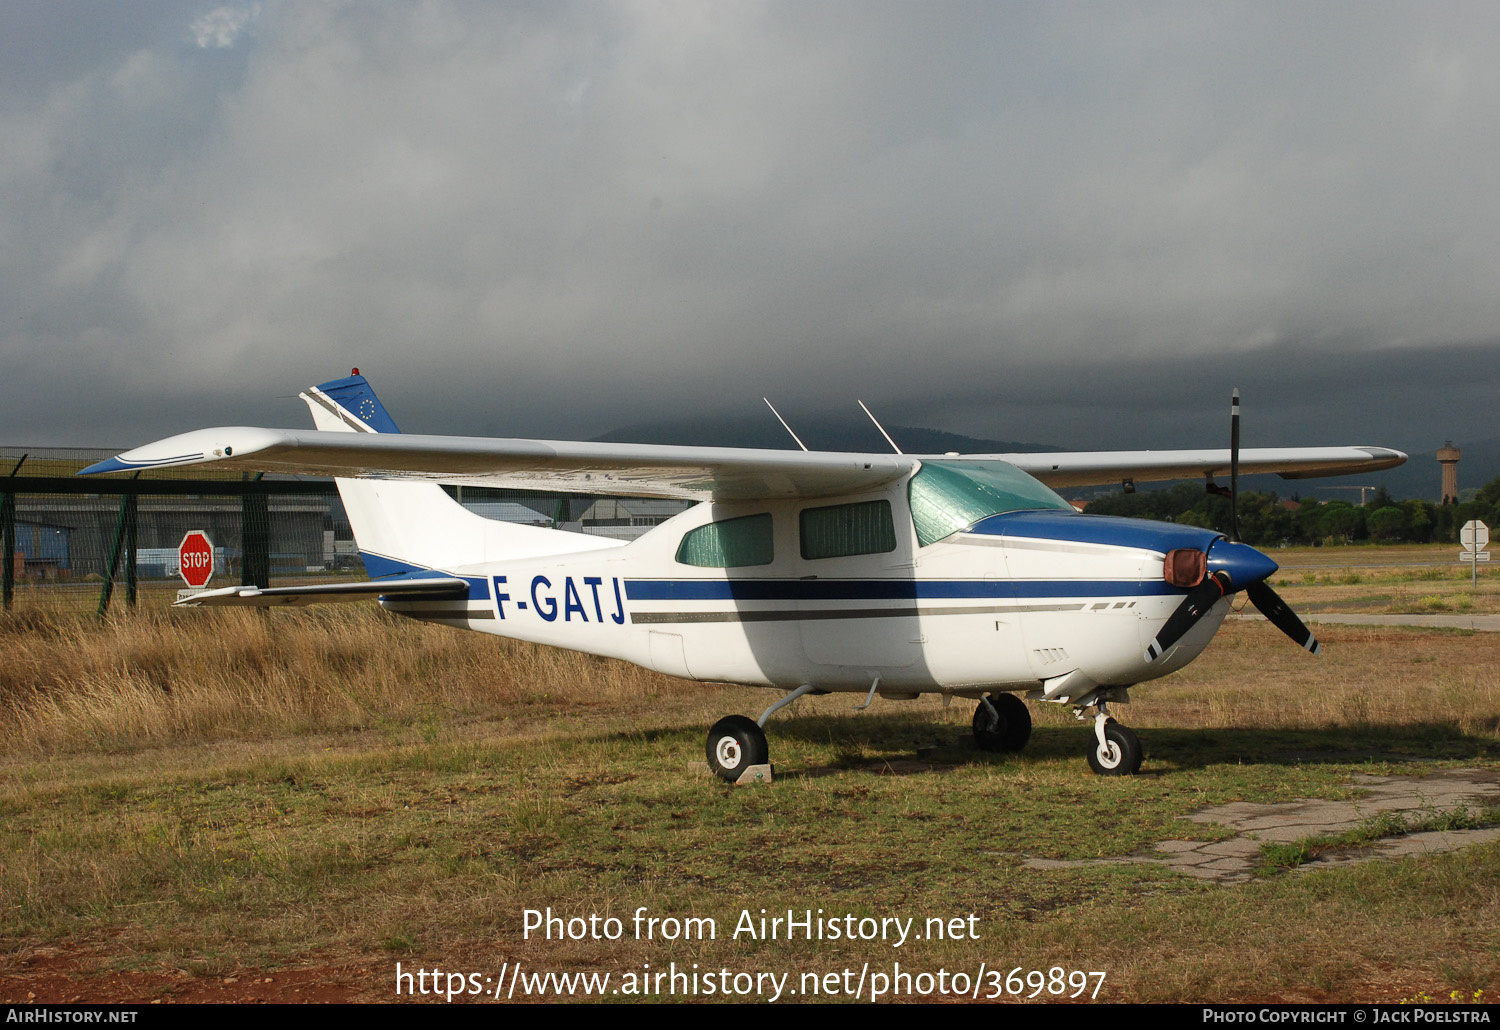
[(845, 529), (948, 497), (730, 544)]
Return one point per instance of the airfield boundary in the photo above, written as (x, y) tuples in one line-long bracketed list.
[(75, 542)]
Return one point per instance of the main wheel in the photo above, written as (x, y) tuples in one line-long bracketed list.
[(1121, 753), (1008, 728), (735, 744)]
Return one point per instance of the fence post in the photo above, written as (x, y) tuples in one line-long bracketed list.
[(114, 555), (8, 541), (8, 547), (255, 539), (130, 550)]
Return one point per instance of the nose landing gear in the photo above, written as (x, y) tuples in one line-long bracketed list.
[(1116, 750)]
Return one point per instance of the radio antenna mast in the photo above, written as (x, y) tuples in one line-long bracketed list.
[(882, 429), (783, 422)]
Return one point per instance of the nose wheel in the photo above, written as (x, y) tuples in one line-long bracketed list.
[(1115, 750)]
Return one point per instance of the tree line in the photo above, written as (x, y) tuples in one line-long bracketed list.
[(1266, 520)]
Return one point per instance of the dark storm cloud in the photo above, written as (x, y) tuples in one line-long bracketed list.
[(1007, 220)]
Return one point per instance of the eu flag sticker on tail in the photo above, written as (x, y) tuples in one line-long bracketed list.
[(353, 394)]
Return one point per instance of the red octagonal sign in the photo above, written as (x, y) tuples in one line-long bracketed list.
[(195, 559)]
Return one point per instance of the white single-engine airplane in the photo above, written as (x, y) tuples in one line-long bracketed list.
[(804, 571)]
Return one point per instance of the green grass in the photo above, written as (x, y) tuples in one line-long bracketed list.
[(1279, 856), (418, 825)]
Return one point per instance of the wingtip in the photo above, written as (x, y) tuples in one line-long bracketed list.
[(107, 465)]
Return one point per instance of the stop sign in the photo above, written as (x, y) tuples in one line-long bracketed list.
[(195, 559)]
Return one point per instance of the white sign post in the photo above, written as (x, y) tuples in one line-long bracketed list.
[(1474, 536)]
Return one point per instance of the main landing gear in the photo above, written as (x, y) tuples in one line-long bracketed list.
[(737, 744), (1002, 723)]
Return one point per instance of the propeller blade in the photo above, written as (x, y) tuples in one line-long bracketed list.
[(1193, 607), (1279, 615)]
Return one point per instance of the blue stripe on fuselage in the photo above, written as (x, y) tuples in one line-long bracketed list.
[(881, 589), (1096, 529)]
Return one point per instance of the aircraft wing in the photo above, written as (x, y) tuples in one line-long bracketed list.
[(408, 588), (689, 473), (636, 470), (1097, 468)]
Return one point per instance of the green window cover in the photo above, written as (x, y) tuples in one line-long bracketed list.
[(731, 544), (948, 497), (845, 529)]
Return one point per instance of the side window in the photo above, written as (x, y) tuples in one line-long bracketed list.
[(731, 544), (846, 529)]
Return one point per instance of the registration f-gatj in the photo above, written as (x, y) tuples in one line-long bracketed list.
[(886, 575)]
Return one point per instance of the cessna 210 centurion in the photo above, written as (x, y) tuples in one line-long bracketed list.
[(808, 572)]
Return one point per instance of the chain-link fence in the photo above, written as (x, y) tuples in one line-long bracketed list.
[(100, 540)]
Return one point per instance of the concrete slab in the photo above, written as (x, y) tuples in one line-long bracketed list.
[(1235, 860)]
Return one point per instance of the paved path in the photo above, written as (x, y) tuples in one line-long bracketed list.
[(1234, 860), (1483, 623)]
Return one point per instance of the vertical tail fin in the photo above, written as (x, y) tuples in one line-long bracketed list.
[(349, 404), (405, 524)]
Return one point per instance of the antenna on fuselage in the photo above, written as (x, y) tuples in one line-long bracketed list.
[(881, 428), (783, 422), (1234, 466)]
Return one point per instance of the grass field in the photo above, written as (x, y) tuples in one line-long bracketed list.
[(1401, 580), (211, 798)]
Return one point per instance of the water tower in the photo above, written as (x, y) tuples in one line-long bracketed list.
[(1447, 457)]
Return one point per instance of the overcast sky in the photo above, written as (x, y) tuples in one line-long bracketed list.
[(1073, 223)]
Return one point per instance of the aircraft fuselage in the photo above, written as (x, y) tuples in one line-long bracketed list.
[(1015, 601)]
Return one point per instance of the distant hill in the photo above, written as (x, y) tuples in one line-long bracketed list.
[(818, 434)]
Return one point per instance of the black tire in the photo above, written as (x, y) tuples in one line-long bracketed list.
[(1121, 755), (1007, 729), (735, 744)]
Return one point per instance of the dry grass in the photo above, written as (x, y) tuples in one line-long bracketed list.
[(1252, 677), (148, 677), (152, 677), (197, 806)]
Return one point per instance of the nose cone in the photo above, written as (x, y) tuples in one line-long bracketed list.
[(1245, 565)]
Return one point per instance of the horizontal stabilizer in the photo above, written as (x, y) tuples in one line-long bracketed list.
[(427, 588)]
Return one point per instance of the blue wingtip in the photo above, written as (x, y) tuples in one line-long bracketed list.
[(107, 465)]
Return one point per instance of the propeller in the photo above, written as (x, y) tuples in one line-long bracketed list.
[(1236, 567), (1193, 607), (1239, 567), (1270, 604)]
